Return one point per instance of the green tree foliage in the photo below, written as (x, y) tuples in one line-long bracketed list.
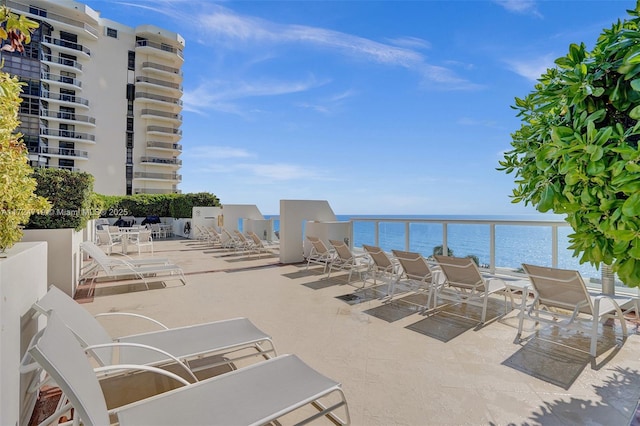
[(577, 152), (17, 198)]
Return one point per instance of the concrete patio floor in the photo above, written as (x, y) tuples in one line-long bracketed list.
[(396, 365)]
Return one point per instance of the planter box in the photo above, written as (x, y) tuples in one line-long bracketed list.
[(23, 280), (64, 257)]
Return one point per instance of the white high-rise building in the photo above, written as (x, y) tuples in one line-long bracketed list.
[(101, 97)]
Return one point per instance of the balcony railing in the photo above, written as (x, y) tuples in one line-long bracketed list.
[(161, 46), (164, 145), (62, 61), (54, 17), (161, 129), (162, 176), (158, 82), (50, 166), (67, 134), (65, 98), (160, 67), (160, 160), (64, 152), (72, 116), (155, 191), (152, 96), (165, 114), (67, 44), (60, 79)]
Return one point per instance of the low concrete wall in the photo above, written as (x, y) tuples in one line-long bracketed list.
[(23, 280), (64, 257)]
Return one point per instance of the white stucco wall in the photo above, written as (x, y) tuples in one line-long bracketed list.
[(64, 257), (23, 280), (292, 215)]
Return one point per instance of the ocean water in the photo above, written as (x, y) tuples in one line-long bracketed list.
[(514, 244)]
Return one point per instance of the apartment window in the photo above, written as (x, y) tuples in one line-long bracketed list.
[(67, 130), (68, 77), (67, 113), (37, 11), (129, 160), (65, 163), (67, 95), (29, 105), (112, 32), (129, 124), (131, 62), (68, 60), (129, 140), (130, 108), (131, 91), (73, 38)]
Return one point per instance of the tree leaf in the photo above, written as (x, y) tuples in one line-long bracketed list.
[(631, 206)]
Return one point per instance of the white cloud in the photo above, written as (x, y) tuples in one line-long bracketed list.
[(215, 152), (224, 28), (219, 94), (523, 7), (533, 68), (264, 173)]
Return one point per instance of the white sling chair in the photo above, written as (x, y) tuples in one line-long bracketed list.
[(163, 346), (562, 300), (254, 395)]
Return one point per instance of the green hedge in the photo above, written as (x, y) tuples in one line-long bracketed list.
[(72, 199), (163, 205)]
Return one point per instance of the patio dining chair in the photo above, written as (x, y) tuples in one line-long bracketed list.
[(255, 395), (561, 299), (106, 240), (143, 239), (346, 260), (416, 271), (463, 283)]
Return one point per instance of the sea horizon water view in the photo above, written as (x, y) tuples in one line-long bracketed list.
[(515, 244)]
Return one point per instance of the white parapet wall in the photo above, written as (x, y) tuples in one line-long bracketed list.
[(204, 217), (234, 214), (293, 213), (23, 280), (64, 256)]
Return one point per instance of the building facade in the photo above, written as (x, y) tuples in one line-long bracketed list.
[(101, 97)]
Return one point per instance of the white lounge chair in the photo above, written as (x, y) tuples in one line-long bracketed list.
[(463, 283), (243, 243), (123, 269), (255, 395), (163, 346), (416, 271), (319, 253), (382, 265), (346, 260), (562, 300), (259, 246)]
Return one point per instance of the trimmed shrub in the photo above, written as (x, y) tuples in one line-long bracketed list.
[(164, 205), (71, 196)]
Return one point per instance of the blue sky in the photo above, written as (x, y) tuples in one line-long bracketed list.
[(379, 107)]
